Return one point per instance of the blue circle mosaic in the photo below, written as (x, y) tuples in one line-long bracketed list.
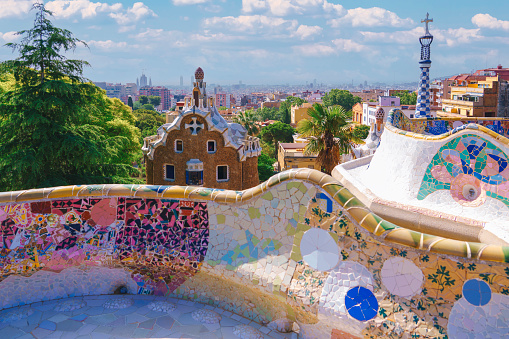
[(361, 303), (477, 292)]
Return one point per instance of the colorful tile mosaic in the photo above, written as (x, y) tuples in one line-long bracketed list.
[(170, 236), (445, 126), (472, 168), (248, 253)]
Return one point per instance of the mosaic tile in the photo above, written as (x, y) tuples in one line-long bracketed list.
[(247, 332), (401, 277), (248, 257), (319, 250), (206, 316), (118, 303)]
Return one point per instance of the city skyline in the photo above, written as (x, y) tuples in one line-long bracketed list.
[(271, 41)]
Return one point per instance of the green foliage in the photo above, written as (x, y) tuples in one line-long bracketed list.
[(265, 168), (361, 131), (267, 113), (130, 102), (406, 97), (340, 97), (148, 107), (154, 100), (148, 122), (330, 134), (248, 120), (285, 110), (56, 129), (143, 99), (277, 132), (222, 108)]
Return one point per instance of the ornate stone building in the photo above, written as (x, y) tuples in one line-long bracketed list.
[(200, 148)]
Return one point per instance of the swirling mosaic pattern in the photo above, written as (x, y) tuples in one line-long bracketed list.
[(472, 168)]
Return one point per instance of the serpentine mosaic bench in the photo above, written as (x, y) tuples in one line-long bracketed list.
[(299, 246)]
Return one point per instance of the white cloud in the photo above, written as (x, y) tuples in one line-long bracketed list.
[(451, 37), (455, 36), (315, 50), (188, 2), (304, 32), (15, 7), (107, 45), (286, 7), (87, 8), (252, 24), (400, 37), (262, 25), (337, 46), (249, 6), (370, 17), (487, 21), (9, 36), (133, 14), (347, 45)]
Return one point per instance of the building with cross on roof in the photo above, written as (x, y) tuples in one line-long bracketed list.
[(200, 148)]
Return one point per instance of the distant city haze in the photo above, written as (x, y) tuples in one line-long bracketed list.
[(268, 42)]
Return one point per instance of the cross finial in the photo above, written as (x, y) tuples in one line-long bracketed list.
[(427, 21)]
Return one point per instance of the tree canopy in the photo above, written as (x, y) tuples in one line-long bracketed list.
[(330, 134), (154, 100), (406, 97), (265, 168), (277, 132), (248, 120), (148, 122), (143, 99), (361, 131), (340, 97), (55, 127)]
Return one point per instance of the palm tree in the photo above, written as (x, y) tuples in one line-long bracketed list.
[(330, 134), (248, 120)]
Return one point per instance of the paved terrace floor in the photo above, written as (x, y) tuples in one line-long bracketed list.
[(128, 316)]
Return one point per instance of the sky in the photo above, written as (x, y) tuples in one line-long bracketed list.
[(272, 41)]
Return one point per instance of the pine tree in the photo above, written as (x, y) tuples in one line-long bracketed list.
[(130, 102), (52, 129)]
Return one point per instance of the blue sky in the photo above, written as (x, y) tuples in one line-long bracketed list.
[(273, 41)]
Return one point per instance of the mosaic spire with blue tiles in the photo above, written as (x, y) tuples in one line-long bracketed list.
[(423, 108)]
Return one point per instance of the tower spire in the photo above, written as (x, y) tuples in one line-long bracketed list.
[(423, 109)]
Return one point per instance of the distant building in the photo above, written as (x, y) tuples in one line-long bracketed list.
[(143, 81), (159, 91), (112, 90), (224, 100), (369, 95), (271, 104), (369, 109), (300, 112), (199, 148), (291, 155), (357, 113), (477, 96)]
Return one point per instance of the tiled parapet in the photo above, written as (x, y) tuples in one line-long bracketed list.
[(444, 126), (460, 175), (299, 246)]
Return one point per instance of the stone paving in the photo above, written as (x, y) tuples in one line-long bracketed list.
[(128, 316)]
